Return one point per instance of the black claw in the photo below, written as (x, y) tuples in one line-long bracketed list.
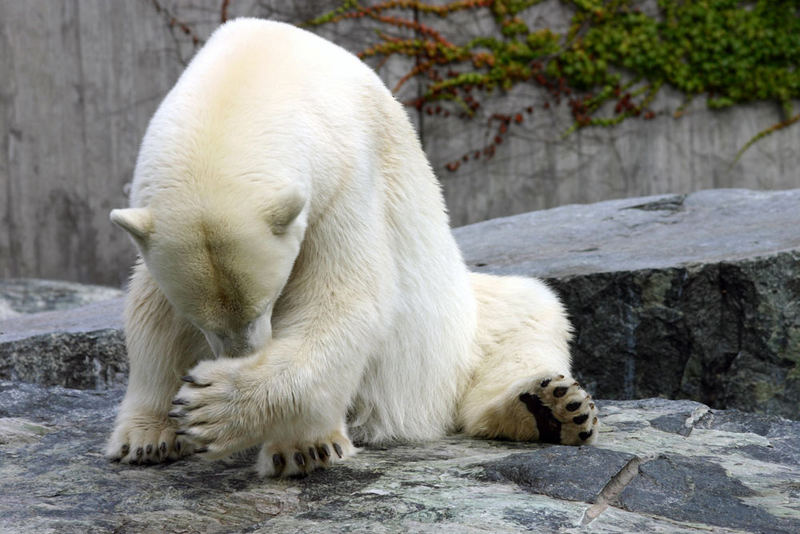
[(312, 453), (580, 419), (180, 402), (201, 450), (163, 447), (585, 435), (545, 382), (125, 449), (299, 459), (191, 380), (560, 391), (176, 413), (178, 446), (572, 406), (149, 449), (180, 432), (278, 462), (139, 452), (324, 452), (338, 449)]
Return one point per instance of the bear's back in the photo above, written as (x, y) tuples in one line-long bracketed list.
[(261, 95), (245, 56)]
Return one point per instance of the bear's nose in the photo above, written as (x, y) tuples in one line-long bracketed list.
[(235, 346), (215, 342)]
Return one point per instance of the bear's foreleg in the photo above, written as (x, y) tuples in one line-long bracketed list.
[(161, 347), (290, 395), (281, 458)]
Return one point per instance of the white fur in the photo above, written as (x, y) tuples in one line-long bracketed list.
[(286, 214)]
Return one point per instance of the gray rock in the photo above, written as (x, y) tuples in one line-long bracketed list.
[(78, 348), (28, 295), (638, 478), (635, 234), (692, 296), (572, 473), (697, 490)]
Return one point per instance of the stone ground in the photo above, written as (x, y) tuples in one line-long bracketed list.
[(659, 466)]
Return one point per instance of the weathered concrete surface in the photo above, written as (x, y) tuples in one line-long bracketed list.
[(724, 471), (80, 80), (538, 167)]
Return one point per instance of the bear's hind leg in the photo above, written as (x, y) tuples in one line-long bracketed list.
[(161, 347), (521, 388), (550, 409)]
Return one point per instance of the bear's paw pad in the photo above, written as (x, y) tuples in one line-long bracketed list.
[(564, 412), (282, 460)]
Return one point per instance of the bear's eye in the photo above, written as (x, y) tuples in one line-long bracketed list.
[(225, 338)]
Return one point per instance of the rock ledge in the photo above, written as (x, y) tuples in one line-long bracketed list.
[(694, 296)]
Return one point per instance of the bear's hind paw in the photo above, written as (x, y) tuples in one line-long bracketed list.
[(282, 460), (564, 412)]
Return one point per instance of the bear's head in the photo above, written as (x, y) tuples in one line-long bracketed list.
[(222, 265)]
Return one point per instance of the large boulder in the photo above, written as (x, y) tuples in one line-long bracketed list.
[(27, 295), (692, 296), (59, 333)]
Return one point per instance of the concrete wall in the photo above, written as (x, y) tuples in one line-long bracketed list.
[(79, 80)]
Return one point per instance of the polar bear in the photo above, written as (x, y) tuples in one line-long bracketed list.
[(299, 286)]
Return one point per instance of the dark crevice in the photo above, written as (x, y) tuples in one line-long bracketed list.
[(672, 203), (608, 495)]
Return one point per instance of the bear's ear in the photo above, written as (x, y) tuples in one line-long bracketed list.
[(284, 208), (138, 222)]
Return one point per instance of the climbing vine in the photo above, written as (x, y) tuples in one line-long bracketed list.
[(608, 66)]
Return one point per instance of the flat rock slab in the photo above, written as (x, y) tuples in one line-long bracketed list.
[(658, 232), (26, 295), (721, 471), (685, 296), (80, 348)]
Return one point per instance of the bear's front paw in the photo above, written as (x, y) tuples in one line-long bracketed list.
[(212, 411), (141, 438), (563, 411), (292, 459)]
